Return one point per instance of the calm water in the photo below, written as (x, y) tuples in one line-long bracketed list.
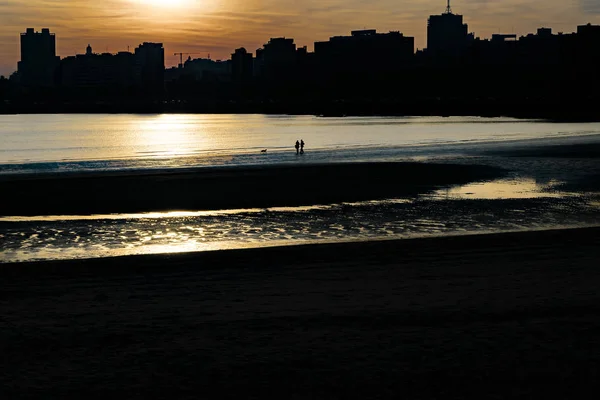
[(530, 198), (50, 143)]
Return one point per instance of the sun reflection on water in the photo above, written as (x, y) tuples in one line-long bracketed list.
[(502, 189), (164, 134)]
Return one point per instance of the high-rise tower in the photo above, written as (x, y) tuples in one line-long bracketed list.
[(38, 58), (447, 35)]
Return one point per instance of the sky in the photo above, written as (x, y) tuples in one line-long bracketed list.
[(217, 27)]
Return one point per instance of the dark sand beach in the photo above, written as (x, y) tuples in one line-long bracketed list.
[(225, 187), (512, 315)]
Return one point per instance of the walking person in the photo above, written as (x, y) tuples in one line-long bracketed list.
[(297, 146), (301, 146)]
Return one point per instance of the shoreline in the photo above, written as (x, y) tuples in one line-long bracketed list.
[(517, 312), (524, 116), (195, 189), (555, 110)]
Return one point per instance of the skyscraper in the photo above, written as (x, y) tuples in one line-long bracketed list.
[(39, 62), (150, 59), (242, 65), (277, 58), (447, 36)]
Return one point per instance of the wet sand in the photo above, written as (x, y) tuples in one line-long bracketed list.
[(512, 315), (575, 165), (225, 187), (562, 150)]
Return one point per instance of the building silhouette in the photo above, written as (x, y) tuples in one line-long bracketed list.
[(108, 71), (447, 37), (200, 69), (150, 59), (543, 49), (206, 69), (362, 64), (39, 63), (276, 60), (366, 49), (107, 74), (587, 44), (361, 73), (586, 58), (242, 65)]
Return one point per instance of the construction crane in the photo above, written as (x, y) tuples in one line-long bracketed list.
[(181, 57)]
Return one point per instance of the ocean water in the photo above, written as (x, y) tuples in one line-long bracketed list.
[(531, 197), (55, 143)]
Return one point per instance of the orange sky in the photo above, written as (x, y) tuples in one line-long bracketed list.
[(219, 26)]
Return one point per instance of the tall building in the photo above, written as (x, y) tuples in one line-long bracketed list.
[(588, 38), (258, 65), (447, 36), (586, 51), (39, 63), (280, 50), (276, 59), (150, 59), (242, 64)]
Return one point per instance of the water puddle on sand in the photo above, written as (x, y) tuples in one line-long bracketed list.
[(502, 205), (192, 214), (502, 189)]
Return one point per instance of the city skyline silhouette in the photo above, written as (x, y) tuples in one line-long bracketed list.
[(119, 24), (359, 72), (319, 199)]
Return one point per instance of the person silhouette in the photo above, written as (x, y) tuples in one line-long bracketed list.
[(297, 146), (301, 146)]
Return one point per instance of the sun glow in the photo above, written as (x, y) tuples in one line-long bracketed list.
[(165, 3)]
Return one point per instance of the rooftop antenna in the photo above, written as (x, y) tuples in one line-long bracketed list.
[(448, 8)]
